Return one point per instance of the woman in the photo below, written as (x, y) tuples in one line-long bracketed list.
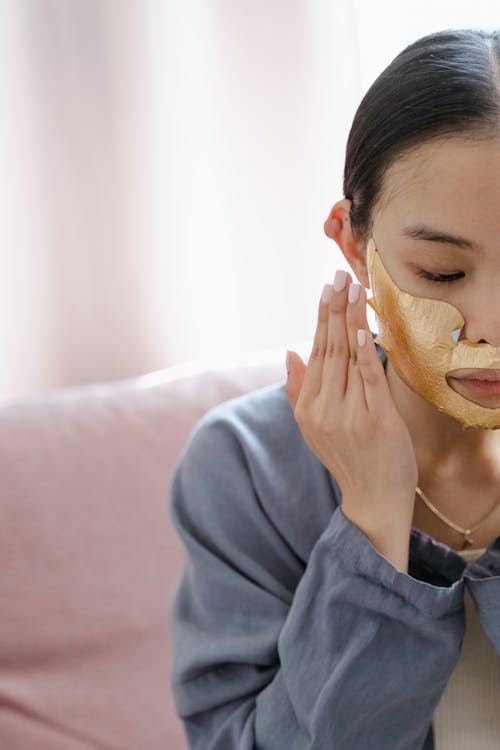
[(328, 600)]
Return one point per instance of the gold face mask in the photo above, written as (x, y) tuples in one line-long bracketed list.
[(420, 336)]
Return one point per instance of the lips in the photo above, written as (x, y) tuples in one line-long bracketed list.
[(475, 374), (477, 385)]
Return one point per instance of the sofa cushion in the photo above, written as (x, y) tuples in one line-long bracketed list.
[(89, 559)]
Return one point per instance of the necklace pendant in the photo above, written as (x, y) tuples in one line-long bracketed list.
[(468, 540)]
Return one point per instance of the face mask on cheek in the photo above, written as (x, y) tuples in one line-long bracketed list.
[(420, 336)]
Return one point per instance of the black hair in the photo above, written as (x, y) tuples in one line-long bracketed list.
[(442, 85)]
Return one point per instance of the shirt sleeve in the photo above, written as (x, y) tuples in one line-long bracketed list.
[(483, 582), (346, 653)]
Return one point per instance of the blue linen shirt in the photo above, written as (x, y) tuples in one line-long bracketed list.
[(290, 630)]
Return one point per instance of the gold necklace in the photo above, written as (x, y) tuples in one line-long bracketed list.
[(468, 540)]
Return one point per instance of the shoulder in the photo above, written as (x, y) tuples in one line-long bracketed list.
[(260, 423), (246, 467)]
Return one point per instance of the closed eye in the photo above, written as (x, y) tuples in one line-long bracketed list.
[(440, 278)]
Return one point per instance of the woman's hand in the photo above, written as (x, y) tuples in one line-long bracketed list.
[(345, 411)]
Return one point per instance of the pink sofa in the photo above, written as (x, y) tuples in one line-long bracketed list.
[(89, 559)]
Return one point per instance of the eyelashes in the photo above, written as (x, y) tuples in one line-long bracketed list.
[(440, 278)]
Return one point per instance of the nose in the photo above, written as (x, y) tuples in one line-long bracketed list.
[(482, 318)]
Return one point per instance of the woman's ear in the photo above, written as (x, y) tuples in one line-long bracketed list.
[(338, 228)]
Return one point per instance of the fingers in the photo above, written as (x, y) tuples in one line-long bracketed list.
[(336, 362), (364, 361), (356, 320), (376, 388), (335, 371), (296, 370), (314, 373), (355, 317)]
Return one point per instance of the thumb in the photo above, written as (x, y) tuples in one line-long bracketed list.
[(296, 371)]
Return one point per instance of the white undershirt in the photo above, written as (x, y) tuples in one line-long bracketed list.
[(468, 713)]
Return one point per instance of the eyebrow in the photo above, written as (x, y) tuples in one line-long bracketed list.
[(423, 232)]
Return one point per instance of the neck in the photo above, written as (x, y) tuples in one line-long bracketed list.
[(442, 447)]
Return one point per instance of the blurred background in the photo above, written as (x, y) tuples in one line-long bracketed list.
[(166, 167)]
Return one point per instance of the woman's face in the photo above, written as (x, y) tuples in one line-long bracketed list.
[(437, 231)]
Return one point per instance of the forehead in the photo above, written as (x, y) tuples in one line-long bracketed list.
[(447, 178)]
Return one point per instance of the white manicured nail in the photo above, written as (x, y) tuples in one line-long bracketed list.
[(353, 292), (339, 280)]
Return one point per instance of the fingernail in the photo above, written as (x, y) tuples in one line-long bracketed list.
[(339, 281), (353, 292), (326, 294)]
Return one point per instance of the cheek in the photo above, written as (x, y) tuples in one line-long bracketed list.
[(405, 278)]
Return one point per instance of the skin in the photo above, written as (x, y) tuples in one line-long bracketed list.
[(453, 185)]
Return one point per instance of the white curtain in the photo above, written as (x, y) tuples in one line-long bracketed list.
[(165, 170)]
